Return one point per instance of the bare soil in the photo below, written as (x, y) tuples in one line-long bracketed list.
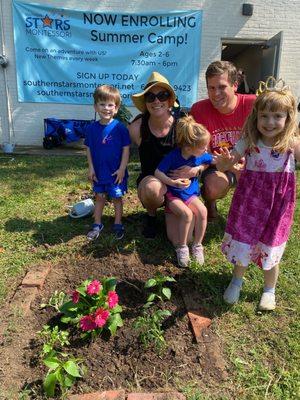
[(120, 361)]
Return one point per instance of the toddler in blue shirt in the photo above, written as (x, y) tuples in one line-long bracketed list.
[(182, 194), (107, 142)]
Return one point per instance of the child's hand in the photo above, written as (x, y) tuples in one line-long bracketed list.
[(239, 166), (181, 183), (119, 173), (92, 176), (223, 160)]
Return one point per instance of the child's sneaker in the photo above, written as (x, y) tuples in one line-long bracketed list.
[(94, 233), (232, 293), (267, 302), (197, 252), (183, 256), (118, 230)]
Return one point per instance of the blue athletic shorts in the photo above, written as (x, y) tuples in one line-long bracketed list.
[(113, 190)]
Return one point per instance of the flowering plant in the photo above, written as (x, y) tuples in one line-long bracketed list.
[(93, 306)]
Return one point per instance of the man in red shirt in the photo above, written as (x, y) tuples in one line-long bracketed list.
[(223, 114)]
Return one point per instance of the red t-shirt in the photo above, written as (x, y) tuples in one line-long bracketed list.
[(225, 129)]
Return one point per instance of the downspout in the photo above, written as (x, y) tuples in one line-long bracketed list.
[(4, 63)]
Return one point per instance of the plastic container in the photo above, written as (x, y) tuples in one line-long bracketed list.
[(8, 148)]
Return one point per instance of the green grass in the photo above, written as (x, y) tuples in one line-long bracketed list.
[(262, 349)]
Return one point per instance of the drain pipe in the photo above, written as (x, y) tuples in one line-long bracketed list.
[(4, 64)]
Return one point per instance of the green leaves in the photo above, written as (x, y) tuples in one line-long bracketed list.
[(109, 284), (166, 292), (62, 373), (56, 300), (63, 369), (149, 324), (50, 383), (150, 283), (53, 338), (151, 297), (160, 291), (70, 310), (124, 115), (150, 329), (72, 369), (115, 321), (51, 362)]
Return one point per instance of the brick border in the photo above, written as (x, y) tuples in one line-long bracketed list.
[(198, 323), (107, 395), (36, 276), (156, 396), (32, 282), (196, 315), (121, 395)]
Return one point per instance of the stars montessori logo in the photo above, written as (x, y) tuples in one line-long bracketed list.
[(48, 25)]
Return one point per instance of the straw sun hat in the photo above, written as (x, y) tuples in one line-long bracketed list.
[(155, 79)]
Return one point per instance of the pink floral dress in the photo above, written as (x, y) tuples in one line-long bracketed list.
[(262, 208)]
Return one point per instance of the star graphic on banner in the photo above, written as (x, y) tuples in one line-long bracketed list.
[(47, 21)]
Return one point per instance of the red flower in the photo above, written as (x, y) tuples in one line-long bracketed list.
[(93, 288), (101, 316), (75, 296), (113, 299), (87, 323)]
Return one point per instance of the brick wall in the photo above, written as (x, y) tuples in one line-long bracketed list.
[(222, 19)]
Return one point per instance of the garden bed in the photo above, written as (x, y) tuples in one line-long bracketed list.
[(120, 361)]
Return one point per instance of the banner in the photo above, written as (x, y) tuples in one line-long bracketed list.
[(62, 55)]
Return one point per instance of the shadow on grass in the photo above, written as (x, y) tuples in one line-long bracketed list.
[(56, 231), (151, 251), (63, 229)]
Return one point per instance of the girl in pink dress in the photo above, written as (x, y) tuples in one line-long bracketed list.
[(262, 207)]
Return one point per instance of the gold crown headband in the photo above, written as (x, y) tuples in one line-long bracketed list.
[(272, 85)]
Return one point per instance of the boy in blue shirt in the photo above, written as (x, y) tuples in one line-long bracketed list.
[(107, 142), (182, 194)]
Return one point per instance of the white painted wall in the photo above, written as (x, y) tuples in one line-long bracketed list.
[(222, 19)]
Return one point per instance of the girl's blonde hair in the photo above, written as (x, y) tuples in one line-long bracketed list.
[(190, 133), (274, 101)]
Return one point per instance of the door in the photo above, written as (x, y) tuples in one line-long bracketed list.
[(271, 55)]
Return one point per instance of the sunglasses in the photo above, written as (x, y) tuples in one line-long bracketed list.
[(161, 96)]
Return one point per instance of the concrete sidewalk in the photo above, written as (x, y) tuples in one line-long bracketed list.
[(63, 150)]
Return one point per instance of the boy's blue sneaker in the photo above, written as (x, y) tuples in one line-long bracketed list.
[(94, 233), (118, 230)]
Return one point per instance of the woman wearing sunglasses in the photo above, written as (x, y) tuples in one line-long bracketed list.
[(153, 132)]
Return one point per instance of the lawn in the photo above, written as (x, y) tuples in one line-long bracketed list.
[(262, 350)]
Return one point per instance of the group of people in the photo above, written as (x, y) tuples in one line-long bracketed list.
[(228, 140)]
